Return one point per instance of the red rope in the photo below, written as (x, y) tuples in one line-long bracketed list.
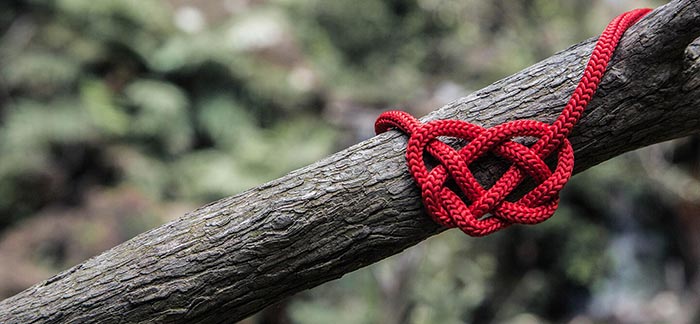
[(447, 208)]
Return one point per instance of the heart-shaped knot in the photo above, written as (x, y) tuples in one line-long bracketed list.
[(446, 206), (488, 210)]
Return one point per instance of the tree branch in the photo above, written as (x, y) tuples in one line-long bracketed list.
[(229, 259)]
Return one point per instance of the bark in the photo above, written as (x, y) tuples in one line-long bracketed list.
[(227, 260)]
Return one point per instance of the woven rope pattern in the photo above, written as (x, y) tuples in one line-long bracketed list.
[(488, 211)]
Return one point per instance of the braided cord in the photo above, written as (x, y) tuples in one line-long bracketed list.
[(488, 210)]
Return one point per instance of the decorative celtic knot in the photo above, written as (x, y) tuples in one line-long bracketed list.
[(448, 208)]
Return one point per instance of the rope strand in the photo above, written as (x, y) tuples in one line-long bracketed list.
[(488, 210)]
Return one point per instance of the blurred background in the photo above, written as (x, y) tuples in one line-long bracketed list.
[(119, 115)]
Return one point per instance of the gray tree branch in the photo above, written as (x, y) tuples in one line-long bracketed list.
[(227, 260)]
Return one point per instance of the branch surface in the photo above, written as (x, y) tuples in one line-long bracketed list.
[(227, 260)]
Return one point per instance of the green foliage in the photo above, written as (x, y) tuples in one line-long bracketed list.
[(42, 72), (188, 117), (160, 114)]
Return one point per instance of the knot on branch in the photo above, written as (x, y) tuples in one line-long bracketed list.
[(447, 206)]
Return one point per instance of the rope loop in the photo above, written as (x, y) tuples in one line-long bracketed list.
[(488, 210)]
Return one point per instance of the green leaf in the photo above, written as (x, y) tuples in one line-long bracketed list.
[(39, 72), (99, 102), (161, 113)]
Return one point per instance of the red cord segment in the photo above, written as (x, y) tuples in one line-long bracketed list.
[(447, 208)]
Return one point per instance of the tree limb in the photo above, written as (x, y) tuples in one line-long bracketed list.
[(227, 260)]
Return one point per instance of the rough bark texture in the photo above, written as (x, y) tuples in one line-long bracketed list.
[(229, 259)]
